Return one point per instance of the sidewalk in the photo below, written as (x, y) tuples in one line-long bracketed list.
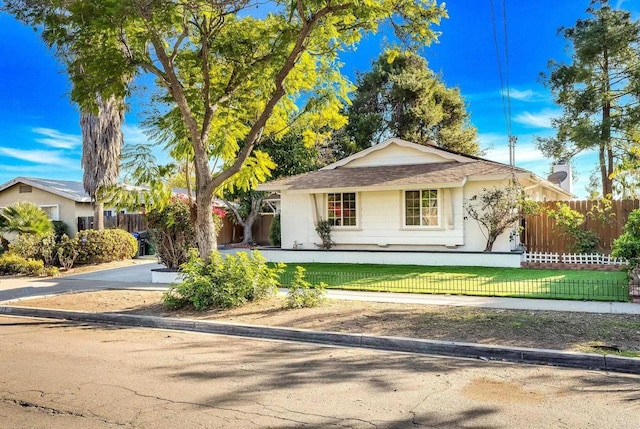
[(138, 276)]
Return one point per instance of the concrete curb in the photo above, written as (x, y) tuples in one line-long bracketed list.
[(409, 345)]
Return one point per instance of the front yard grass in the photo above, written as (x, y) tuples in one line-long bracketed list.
[(479, 281)]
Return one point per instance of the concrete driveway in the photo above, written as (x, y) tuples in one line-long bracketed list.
[(137, 275)]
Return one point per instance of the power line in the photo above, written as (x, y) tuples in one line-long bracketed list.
[(505, 91)]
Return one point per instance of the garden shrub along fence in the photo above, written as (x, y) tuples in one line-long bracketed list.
[(539, 234), (551, 288), (230, 232)]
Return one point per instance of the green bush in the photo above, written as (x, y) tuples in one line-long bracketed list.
[(39, 247), (67, 252), (224, 282), (627, 246), (304, 294), (60, 228), (172, 232), (11, 263), (105, 246), (275, 235), (323, 228)]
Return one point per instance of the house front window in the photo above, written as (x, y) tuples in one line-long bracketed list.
[(341, 209), (421, 208), (51, 211)]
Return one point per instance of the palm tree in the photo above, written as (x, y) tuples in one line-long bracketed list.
[(102, 141), (25, 218)]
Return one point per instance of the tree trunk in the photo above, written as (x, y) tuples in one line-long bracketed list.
[(206, 236), (606, 155), (247, 225), (490, 241), (98, 216)]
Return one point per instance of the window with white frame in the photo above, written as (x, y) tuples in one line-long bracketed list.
[(51, 211), (421, 208), (341, 209)]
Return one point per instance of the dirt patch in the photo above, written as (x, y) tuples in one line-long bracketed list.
[(538, 329)]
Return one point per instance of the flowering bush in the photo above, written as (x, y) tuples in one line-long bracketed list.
[(171, 228)]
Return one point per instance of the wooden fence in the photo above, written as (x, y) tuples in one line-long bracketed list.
[(539, 234), (230, 233)]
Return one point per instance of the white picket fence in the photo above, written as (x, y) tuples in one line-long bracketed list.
[(572, 258)]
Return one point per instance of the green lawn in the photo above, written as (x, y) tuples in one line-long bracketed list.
[(482, 281)]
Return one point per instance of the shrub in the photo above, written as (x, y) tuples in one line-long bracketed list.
[(11, 263), (59, 229), (224, 282), (571, 224), (628, 244), (304, 294), (323, 228), (67, 252), (105, 246), (172, 231), (275, 235), (32, 246)]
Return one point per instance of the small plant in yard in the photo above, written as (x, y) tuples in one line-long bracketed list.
[(627, 246), (225, 281), (11, 263), (323, 228), (571, 224), (304, 294), (275, 237), (497, 209)]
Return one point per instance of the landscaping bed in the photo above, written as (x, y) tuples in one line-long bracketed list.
[(600, 333)]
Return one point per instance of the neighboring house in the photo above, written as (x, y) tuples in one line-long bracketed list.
[(66, 201), (62, 200), (399, 195)]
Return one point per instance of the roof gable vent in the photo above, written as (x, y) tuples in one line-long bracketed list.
[(25, 189)]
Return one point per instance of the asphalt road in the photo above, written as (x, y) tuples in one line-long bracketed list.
[(65, 375)]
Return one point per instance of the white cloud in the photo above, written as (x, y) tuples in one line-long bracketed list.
[(134, 135), (56, 139), (527, 95), (540, 119), (39, 156)]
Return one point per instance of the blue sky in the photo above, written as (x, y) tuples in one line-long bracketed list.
[(40, 134)]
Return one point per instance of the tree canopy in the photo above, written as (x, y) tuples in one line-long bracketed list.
[(401, 97), (599, 92), (237, 71)]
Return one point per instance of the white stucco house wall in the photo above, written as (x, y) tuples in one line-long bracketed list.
[(399, 196)]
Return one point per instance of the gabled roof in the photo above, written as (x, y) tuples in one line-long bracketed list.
[(455, 170), (446, 154), (75, 190), (64, 188)]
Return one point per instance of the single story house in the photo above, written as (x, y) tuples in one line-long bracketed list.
[(62, 200), (399, 196)]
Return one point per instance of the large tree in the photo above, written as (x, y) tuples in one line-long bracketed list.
[(401, 97), (598, 90), (235, 70), (290, 156), (101, 148)]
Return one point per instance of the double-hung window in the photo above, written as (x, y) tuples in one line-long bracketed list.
[(341, 209), (421, 208)]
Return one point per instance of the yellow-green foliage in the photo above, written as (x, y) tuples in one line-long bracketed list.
[(11, 263), (105, 246), (304, 294)]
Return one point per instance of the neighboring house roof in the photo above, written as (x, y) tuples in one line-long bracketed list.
[(64, 188), (75, 190), (454, 170)]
